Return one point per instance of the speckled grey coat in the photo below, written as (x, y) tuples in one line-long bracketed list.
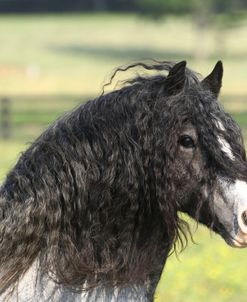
[(34, 288)]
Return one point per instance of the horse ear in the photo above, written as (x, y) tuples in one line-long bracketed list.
[(176, 78), (213, 81)]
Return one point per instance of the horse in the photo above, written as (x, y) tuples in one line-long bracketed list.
[(91, 210)]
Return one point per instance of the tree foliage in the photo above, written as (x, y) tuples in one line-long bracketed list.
[(160, 8)]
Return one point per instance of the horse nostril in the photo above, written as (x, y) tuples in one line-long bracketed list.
[(244, 217)]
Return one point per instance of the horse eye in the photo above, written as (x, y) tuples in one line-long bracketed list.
[(186, 141)]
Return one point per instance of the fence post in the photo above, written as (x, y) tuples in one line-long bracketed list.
[(5, 118)]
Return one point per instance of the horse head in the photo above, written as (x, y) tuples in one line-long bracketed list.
[(206, 155)]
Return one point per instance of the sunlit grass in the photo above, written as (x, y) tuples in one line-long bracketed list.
[(206, 271), (9, 152), (74, 54)]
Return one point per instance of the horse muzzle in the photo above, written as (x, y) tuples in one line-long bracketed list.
[(231, 210), (240, 239)]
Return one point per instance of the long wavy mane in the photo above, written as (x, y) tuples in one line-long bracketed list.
[(92, 197)]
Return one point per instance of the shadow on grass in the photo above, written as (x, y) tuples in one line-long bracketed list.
[(134, 53), (124, 53)]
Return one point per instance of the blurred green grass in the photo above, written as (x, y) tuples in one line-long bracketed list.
[(73, 54), (50, 64)]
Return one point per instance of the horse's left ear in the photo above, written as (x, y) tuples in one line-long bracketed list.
[(213, 81), (176, 78)]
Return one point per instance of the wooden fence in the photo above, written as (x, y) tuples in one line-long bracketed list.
[(5, 118), (24, 117)]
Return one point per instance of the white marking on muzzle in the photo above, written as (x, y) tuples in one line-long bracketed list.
[(230, 209), (238, 190)]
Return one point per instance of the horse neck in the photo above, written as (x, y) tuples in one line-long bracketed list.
[(34, 287)]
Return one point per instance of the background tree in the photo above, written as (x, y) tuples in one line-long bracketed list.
[(220, 14)]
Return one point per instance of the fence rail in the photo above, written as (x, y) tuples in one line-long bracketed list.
[(24, 117), (5, 118)]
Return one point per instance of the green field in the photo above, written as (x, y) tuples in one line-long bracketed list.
[(50, 64)]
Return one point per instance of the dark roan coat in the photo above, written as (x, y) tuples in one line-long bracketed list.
[(90, 212)]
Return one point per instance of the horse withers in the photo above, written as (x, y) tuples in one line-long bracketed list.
[(90, 211)]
